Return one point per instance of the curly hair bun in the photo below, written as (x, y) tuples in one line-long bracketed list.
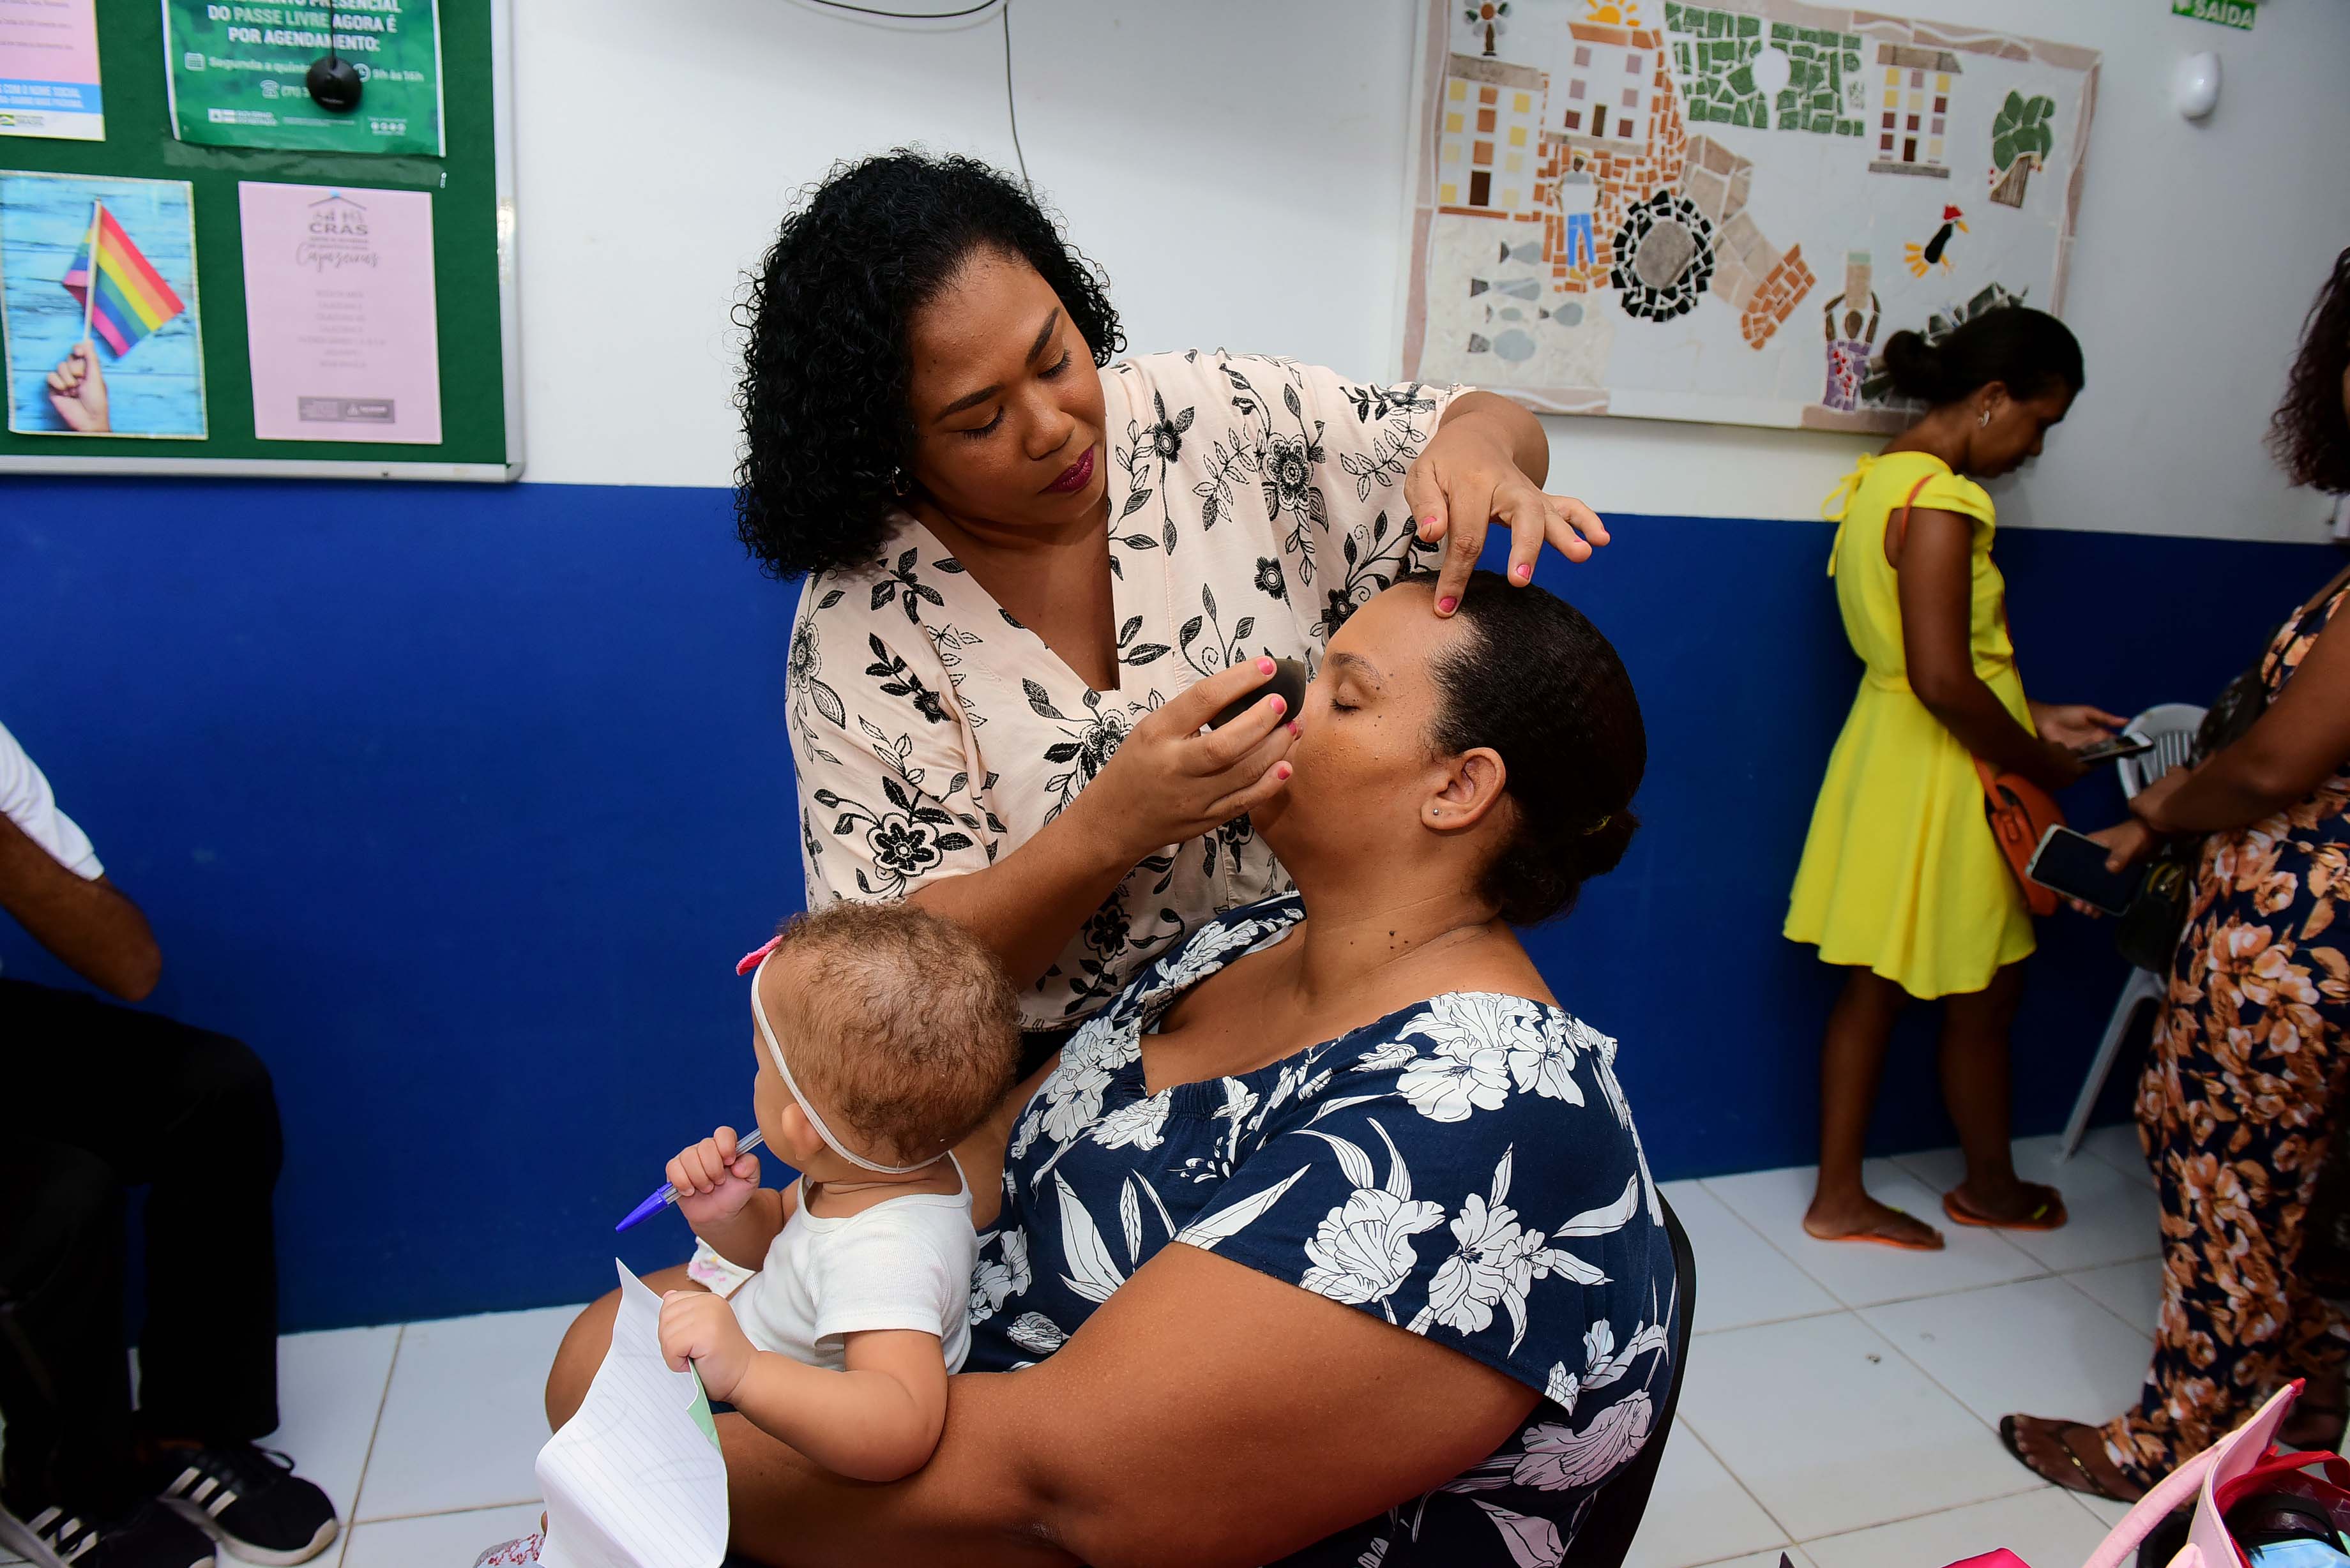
[(1536, 682), (825, 370)]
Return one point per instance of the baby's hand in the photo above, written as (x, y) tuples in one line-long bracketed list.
[(700, 1327), (714, 1180)]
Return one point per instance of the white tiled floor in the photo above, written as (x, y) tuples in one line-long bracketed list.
[(1843, 1401), (1841, 1406)]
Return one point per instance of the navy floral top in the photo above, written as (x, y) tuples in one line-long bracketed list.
[(1465, 1168)]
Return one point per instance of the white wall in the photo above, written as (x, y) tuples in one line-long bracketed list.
[(1239, 167)]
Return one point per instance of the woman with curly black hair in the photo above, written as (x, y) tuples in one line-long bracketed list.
[(2240, 1102), (1035, 573)]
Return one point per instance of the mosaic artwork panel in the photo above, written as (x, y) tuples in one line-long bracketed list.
[(1623, 212)]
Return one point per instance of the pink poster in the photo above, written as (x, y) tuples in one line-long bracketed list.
[(339, 305), (48, 71)]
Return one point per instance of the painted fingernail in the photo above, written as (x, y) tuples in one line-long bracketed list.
[(1447, 604), (1293, 729), (1283, 771), (1524, 571), (1278, 704), (1264, 667)]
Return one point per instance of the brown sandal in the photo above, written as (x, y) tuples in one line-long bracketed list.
[(2081, 1479)]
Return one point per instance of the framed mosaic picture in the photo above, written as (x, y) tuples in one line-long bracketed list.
[(1720, 212)]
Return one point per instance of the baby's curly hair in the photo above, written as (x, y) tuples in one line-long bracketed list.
[(823, 394), (903, 1026)]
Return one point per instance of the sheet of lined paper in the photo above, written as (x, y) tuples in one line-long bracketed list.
[(635, 1479)]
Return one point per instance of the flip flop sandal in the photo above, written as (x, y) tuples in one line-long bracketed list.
[(2040, 1219), (1878, 1239), (2008, 1434)]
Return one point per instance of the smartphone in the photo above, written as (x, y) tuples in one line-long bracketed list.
[(2113, 751), (1288, 678), (2073, 864), (2304, 1552)]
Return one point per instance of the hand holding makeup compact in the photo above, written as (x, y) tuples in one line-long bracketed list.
[(1288, 681)]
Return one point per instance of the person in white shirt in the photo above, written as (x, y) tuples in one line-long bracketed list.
[(830, 1313), (95, 1098)]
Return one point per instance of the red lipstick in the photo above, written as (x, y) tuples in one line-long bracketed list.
[(1073, 478)]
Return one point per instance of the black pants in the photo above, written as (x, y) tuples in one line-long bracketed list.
[(93, 1099)]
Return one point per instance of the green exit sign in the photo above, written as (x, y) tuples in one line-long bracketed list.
[(2226, 13)]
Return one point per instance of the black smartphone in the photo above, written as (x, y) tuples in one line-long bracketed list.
[(2073, 864), (1288, 678), (2113, 751)]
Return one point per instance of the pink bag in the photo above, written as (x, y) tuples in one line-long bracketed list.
[(2205, 1479), (2235, 1455)]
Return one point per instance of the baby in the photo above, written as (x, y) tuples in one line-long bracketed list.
[(885, 1035)]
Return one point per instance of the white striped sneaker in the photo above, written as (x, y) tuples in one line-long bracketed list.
[(247, 1499), (147, 1537)]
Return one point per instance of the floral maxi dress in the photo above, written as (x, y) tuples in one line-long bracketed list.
[(2236, 1112), (1255, 504)]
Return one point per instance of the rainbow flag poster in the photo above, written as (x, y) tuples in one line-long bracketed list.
[(132, 298), (98, 298)]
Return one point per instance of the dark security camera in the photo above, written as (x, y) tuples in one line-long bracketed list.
[(334, 83)]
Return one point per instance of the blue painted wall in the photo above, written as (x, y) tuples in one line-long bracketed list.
[(458, 805)]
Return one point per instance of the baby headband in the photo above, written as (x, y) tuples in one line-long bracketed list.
[(753, 964)]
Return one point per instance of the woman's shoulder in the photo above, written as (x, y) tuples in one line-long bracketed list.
[(1168, 373), (1250, 384), (1190, 364), (1473, 1050), (910, 583), (1922, 478), (1208, 947), (1177, 386), (1472, 1092)]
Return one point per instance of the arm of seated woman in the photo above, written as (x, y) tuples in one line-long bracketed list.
[(1206, 1414), (875, 1420)]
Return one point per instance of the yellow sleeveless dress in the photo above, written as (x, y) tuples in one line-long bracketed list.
[(1901, 874)]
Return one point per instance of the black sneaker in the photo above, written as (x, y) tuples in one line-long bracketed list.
[(247, 1499), (150, 1537)]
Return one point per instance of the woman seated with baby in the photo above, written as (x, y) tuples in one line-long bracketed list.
[(1317, 1230), (1359, 1097)]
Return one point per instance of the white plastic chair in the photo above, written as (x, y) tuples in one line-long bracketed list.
[(2171, 727)]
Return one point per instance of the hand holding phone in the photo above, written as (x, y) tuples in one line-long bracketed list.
[(2073, 864), (2120, 746)]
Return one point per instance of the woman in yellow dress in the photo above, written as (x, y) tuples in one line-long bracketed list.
[(1901, 882)]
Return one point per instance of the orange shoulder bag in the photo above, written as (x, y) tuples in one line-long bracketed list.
[(2019, 812)]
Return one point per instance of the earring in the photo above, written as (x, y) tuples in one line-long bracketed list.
[(900, 483), (1983, 419)]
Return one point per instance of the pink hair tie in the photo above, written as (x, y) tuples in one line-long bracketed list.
[(751, 960)]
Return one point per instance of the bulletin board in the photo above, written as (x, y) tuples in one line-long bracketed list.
[(183, 201), (1720, 210)]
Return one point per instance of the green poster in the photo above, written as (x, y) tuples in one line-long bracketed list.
[(236, 74), (2226, 13)]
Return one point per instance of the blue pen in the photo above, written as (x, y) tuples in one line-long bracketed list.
[(668, 1194)]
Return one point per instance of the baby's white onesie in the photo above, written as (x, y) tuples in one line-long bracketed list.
[(905, 1262)]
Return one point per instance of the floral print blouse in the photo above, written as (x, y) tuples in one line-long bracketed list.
[(1465, 1168), (1253, 503)]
